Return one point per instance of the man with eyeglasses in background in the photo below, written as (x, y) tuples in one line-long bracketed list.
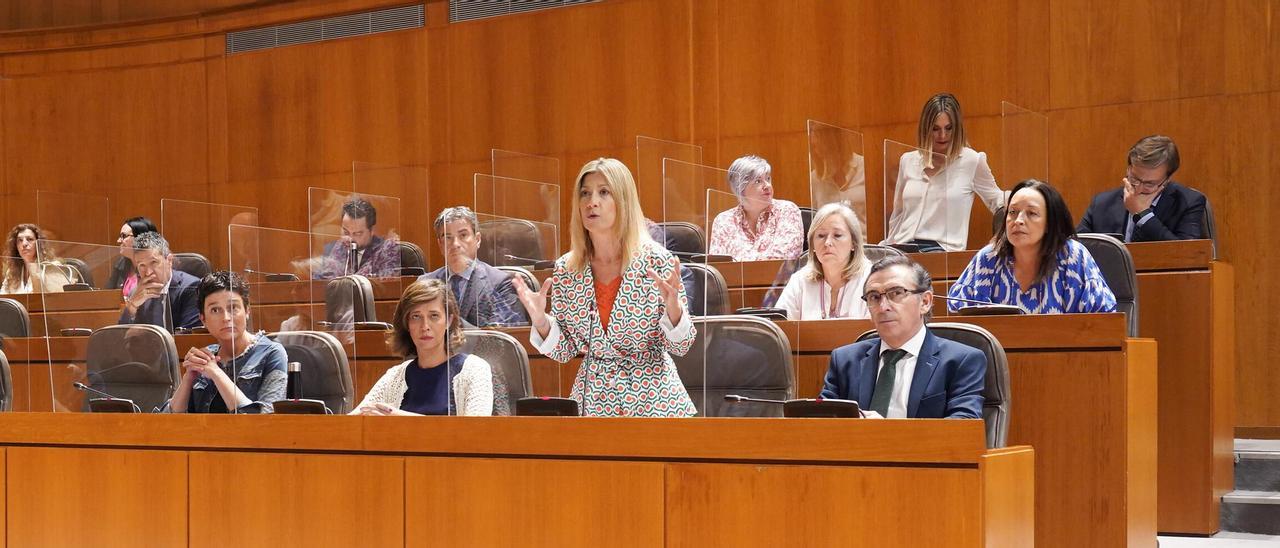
[(1149, 206), (906, 371), (484, 293)]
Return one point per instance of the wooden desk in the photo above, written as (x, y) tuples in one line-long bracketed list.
[(1083, 396), (357, 481)]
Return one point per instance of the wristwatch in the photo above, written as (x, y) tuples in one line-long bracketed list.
[(1139, 215)]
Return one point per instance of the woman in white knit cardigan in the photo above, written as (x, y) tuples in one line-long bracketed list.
[(435, 379)]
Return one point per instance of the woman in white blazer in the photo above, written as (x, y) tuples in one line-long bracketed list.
[(830, 285)]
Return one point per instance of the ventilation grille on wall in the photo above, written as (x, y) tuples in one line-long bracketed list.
[(356, 24), (465, 10)]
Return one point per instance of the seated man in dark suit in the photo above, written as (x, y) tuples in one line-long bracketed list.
[(373, 256), (485, 295), (906, 372), (1148, 206), (164, 296)]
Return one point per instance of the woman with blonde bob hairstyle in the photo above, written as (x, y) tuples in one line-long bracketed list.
[(427, 332), (830, 286), (936, 183), (616, 298)]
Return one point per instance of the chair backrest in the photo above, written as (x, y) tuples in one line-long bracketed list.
[(349, 299), (137, 362), (708, 293), (6, 384), (14, 321), (806, 219), (876, 252), (510, 242), (997, 220), (82, 269), (509, 363), (743, 355), (194, 264), (995, 393), (326, 373), (411, 256), (680, 237), (1208, 229), (1117, 269)]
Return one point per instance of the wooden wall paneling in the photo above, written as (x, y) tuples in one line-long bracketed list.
[(1245, 230), (595, 502), (37, 14), (136, 496), (1251, 48), (717, 504), (280, 499)]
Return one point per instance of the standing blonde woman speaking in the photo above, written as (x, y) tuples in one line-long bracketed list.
[(617, 299)]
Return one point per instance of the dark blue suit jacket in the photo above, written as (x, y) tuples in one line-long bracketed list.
[(1178, 215), (948, 381), (489, 297), (182, 302)]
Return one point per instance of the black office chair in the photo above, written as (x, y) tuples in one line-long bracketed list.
[(995, 392), (806, 220), (742, 355), (14, 320), (194, 264), (6, 384), (1208, 228), (136, 362), (683, 239), (708, 293), (1116, 263), (509, 363), (511, 242), (349, 305), (412, 260), (326, 373), (83, 272), (876, 252)]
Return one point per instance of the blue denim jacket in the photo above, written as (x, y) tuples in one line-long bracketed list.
[(260, 373)]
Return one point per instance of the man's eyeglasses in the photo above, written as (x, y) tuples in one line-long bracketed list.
[(895, 295), (1145, 185)]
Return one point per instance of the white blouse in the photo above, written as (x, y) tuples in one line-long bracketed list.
[(937, 208), (472, 387), (804, 298)]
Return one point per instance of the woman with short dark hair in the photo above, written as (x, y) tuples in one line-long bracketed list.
[(1034, 262), (436, 378), (240, 373)]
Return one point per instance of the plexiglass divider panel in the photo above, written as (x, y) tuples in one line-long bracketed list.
[(649, 172), (200, 228), (363, 231), (837, 170), (380, 182), (922, 223), (73, 217)]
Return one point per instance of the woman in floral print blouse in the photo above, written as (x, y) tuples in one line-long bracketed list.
[(616, 298), (760, 228)]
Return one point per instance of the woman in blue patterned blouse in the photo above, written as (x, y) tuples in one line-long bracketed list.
[(1033, 261)]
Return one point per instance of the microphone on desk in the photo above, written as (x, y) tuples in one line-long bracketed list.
[(986, 307), (108, 403), (273, 276), (808, 408)]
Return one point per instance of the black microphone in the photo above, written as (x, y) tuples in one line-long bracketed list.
[(981, 303), (739, 399), (86, 388), (273, 276)]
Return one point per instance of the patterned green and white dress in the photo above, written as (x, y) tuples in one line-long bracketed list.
[(626, 371)]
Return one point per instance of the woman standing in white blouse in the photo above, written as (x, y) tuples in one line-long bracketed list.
[(934, 192), (830, 286)]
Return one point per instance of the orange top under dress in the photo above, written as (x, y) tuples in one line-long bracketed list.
[(606, 293)]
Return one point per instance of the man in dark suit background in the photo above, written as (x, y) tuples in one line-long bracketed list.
[(906, 371), (1149, 205), (164, 297), (485, 295)]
